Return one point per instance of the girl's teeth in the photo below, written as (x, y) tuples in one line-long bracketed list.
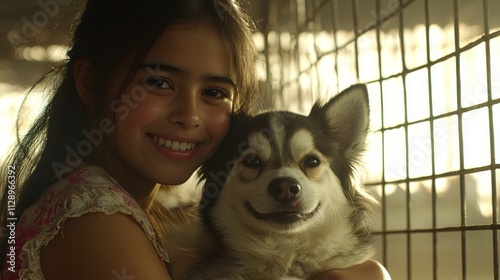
[(174, 145), (183, 146)]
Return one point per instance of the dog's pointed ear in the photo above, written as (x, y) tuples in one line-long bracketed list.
[(346, 116)]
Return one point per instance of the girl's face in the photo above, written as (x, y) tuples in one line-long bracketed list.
[(176, 110)]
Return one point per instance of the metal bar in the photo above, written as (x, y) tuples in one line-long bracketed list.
[(384, 194), (442, 175), (299, 62), (355, 12), (308, 19), (443, 115), (407, 153), (492, 139), (266, 50), (433, 156), (280, 54), (335, 17), (443, 229), (463, 205), (316, 27), (294, 52)]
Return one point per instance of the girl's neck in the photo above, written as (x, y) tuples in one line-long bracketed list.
[(139, 187)]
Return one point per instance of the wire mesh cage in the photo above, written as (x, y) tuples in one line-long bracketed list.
[(434, 152)]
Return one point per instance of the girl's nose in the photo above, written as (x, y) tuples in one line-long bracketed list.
[(185, 111)]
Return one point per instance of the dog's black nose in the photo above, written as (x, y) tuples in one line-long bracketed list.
[(284, 189)]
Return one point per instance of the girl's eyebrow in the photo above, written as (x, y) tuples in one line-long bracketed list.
[(151, 67)]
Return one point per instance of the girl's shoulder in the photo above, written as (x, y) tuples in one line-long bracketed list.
[(86, 190)]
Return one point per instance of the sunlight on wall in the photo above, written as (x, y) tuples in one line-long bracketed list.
[(10, 102), (12, 96), (40, 53)]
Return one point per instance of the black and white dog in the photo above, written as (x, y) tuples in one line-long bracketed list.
[(282, 197)]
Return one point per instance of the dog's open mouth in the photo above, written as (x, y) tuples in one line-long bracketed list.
[(282, 217)]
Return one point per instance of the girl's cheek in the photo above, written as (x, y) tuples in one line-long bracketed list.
[(218, 122), (135, 111)]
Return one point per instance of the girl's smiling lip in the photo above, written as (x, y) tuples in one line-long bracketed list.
[(175, 147)]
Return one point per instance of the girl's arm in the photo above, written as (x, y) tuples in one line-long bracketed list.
[(98, 246), (370, 270)]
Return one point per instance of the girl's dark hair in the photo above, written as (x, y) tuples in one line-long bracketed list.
[(113, 35)]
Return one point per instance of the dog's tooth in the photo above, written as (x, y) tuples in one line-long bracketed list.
[(161, 141)]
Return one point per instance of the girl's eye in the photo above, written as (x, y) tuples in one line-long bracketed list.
[(215, 93), (156, 83)]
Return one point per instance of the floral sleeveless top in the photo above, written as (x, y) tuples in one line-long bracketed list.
[(86, 190)]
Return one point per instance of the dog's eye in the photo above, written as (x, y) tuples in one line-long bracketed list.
[(310, 161), (252, 161)]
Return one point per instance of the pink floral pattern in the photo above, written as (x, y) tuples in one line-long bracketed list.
[(86, 190)]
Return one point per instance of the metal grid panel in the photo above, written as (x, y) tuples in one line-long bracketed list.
[(434, 160)]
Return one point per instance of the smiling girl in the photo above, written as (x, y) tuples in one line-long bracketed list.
[(144, 98)]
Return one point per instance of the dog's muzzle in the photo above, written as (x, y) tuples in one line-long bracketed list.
[(286, 192)]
